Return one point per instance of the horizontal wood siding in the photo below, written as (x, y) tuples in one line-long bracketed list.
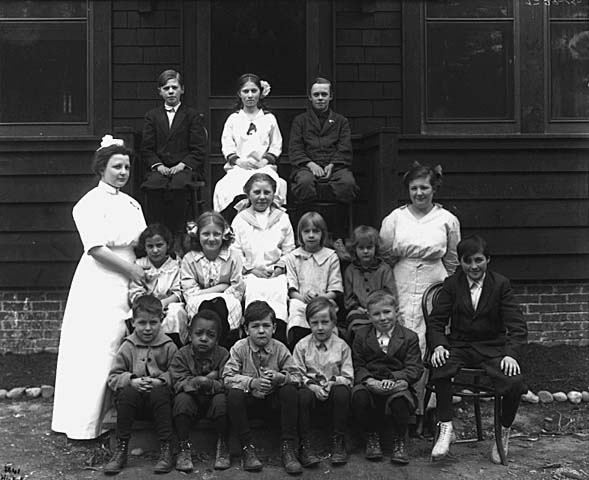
[(528, 196), (368, 63), (40, 181), (147, 39)]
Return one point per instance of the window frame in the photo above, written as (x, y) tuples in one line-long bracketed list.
[(98, 85), (532, 85)]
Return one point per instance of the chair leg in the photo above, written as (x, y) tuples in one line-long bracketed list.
[(477, 415), (498, 430)]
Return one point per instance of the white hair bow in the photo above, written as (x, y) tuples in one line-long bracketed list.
[(108, 140)]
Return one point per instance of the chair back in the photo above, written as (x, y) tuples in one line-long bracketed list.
[(429, 298)]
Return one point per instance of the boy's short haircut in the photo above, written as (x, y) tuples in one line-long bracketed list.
[(209, 315), (148, 304), (169, 75), (320, 81), (318, 304), (378, 296), (472, 245), (258, 310)]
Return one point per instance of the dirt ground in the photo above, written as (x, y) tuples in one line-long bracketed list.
[(549, 442)]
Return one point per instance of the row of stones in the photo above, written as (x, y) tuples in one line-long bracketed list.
[(543, 396), (44, 391)]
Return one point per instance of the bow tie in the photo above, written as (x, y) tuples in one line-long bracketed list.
[(170, 110)]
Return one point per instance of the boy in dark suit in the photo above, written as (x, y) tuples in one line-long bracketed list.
[(487, 331), (173, 147), (387, 362)]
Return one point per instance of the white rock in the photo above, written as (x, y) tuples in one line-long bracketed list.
[(47, 391), (3, 393), (33, 392), (560, 396), (585, 396), (574, 396), (530, 397), (136, 452), (545, 396), (16, 392)]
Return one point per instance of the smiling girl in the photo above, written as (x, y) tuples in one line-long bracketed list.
[(251, 142), (211, 274), (263, 235)]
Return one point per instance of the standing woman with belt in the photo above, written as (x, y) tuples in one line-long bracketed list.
[(419, 240), (109, 223)]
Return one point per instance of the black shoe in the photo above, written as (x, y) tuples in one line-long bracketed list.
[(184, 458), (306, 454), (399, 456), (373, 448), (164, 462), (289, 458), (119, 458), (222, 456), (339, 455), (250, 459)]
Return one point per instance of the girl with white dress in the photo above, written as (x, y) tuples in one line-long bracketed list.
[(419, 240), (263, 235), (251, 142), (109, 223)]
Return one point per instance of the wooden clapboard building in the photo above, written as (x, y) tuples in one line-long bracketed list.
[(496, 91)]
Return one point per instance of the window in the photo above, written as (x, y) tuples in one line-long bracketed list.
[(46, 78), (496, 66)]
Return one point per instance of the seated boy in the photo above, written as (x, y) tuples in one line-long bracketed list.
[(320, 149), (173, 148), (387, 363), (325, 363), (261, 375), (487, 331), (141, 383), (196, 373)]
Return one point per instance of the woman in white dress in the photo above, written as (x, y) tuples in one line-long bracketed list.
[(419, 240), (263, 235), (109, 223), (251, 142)]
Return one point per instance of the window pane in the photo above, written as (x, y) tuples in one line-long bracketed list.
[(42, 72), (469, 71), (43, 9), (569, 9), (570, 70), (266, 37), (469, 9)]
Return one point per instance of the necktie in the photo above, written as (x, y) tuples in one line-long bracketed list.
[(475, 294), (170, 112)]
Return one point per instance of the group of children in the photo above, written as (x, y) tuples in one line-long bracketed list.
[(368, 368), (260, 376)]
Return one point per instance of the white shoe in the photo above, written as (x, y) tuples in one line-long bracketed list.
[(495, 457), (445, 438)]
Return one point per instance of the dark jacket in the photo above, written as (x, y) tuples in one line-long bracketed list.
[(138, 359), (330, 144), (184, 142), (186, 366), (496, 328)]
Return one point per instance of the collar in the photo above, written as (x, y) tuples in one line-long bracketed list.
[(320, 257), (373, 266), (274, 215), (105, 187), (388, 333), (161, 339), (248, 118), (198, 357), (267, 349), (223, 255), (324, 114), (328, 343), (176, 108), (480, 282)]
